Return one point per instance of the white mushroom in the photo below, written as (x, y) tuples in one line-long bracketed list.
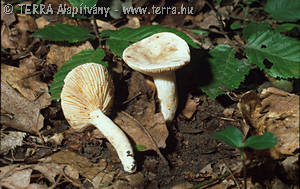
[(159, 56), (86, 97)]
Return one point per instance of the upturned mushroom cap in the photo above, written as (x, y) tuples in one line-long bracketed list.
[(87, 87), (160, 52)]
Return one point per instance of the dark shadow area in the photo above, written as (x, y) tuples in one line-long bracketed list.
[(197, 73)]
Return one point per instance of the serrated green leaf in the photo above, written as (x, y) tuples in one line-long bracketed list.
[(227, 71), (286, 27), (119, 40), (230, 136), (85, 56), (235, 26), (83, 3), (255, 27), (63, 32), (265, 141), (283, 10), (281, 51), (141, 147)]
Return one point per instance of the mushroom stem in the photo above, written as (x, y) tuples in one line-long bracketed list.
[(116, 137), (165, 83)]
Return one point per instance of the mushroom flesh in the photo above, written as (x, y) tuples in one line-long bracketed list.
[(159, 56)]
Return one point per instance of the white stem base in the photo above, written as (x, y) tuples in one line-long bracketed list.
[(165, 83), (116, 137)]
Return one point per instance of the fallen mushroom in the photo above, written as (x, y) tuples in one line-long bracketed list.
[(85, 98), (159, 56)]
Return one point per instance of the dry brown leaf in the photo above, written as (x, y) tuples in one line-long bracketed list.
[(25, 115), (77, 162), (102, 25), (190, 107), (19, 179), (133, 22), (8, 19), (25, 25), (275, 111), (22, 79), (134, 128), (11, 140), (41, 22), (6, 42), (61, 54)]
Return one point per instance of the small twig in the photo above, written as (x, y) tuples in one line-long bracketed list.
[(211, 181), (233, 177), (96, 29), (132, 98)]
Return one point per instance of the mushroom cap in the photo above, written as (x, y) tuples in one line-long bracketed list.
[(87, 87), (160, 52)]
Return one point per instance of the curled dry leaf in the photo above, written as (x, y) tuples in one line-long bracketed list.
[(61, 54), (11, 140), (275, 111), (21, 113)]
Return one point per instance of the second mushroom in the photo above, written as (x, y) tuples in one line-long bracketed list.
[(159, 56)]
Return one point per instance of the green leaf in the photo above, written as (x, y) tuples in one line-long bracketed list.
[(85, 56), (83, 3), (141, 147), (265, 141), (283, 10), (286, 27), (227, 71), (235, 26), (230, 136), (255, 27), (219, 1), (249, 2), (281, 51), (200, 32), (63, 32), (119, 40)]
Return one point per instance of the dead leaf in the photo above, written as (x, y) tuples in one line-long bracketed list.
[(25, 25), (26, 115), (182, 185), (190, 107), (133, 22), (6, 41), (275, 111), (20, 78), (61, 54), (41, 22), (77, 162), (291, 168), (19, 179), (8, 19), (11, 140), (102, 25)]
